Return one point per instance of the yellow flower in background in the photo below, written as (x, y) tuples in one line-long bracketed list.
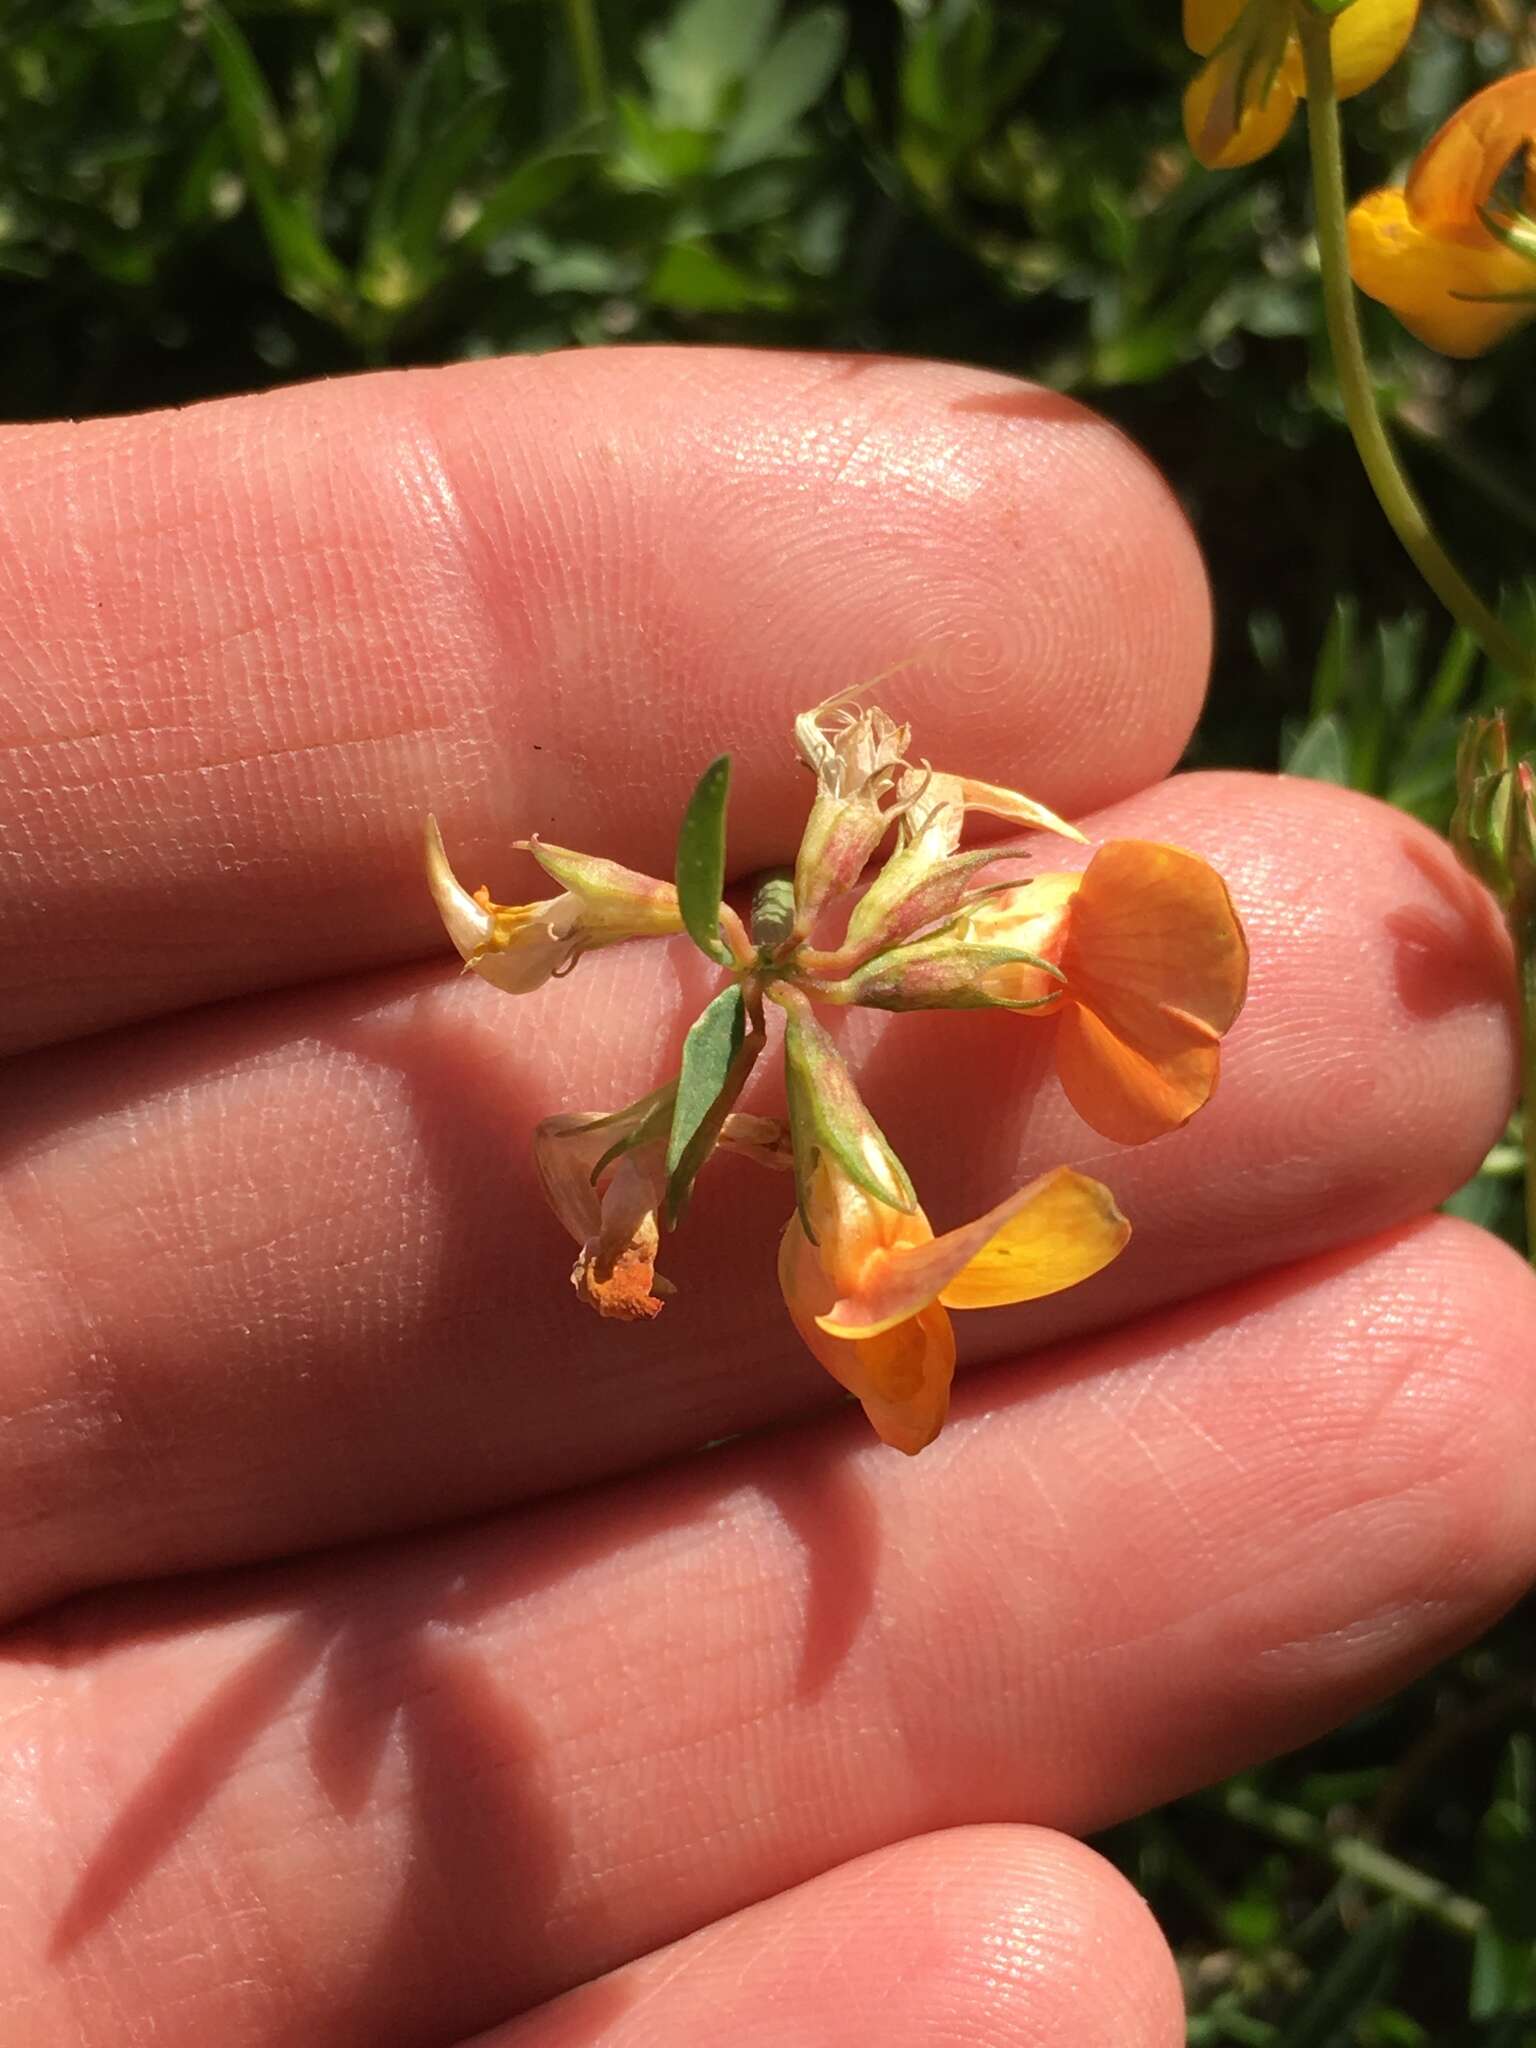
[(1441, 251), (1242, 101)]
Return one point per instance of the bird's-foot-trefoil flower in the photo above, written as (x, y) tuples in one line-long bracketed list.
[(867, 1283), (1453, 250), (518, 947), (1243, 99), (1140, 959)]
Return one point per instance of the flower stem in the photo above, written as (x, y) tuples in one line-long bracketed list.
[(1357, 1858), (586, 43), (1394, 492)]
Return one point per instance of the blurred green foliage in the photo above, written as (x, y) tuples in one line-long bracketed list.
[(200, 196)]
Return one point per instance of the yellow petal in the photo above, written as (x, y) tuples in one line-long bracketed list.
[(1367, 40), (1120, 1092), (1224, 134), (1048, 1235), (901, 1377), (1067, 1230), (1207, 21), (1437, 285)]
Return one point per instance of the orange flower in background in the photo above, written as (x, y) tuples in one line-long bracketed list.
[(871, 1294), (1150, 970), (1456, 267), (1241, 102)]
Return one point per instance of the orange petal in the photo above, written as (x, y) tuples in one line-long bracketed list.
[(1122, 1093), (1456, 171), (1155, 948), (901, 1377), (1050, 1235), (1224, 134), (1442, 287)]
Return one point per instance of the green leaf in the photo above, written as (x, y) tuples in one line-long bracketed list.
[(705, 49), (789, 81), (309, 273), (1321, 753), (701, 860), (1336, 658), (693, 278), (704, 1095), (1350, 1985), (532, 185)]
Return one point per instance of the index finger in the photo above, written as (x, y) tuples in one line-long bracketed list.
[(243, 647)]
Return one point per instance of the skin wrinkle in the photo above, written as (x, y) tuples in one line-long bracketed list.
[(907, 1696), (624, 571)]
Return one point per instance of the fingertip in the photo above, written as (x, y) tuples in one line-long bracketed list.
[(972, 1938)]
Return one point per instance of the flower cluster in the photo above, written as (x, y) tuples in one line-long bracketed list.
[(1138, 961), (1452, 251)]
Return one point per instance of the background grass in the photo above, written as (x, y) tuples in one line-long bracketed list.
[(203, 198)]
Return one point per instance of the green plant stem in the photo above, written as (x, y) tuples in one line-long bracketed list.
[(1394, 493), (1525, 955), (586, 42), (1357, 1858)]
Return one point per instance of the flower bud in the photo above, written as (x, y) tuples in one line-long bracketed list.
[(857, 761), (1493, 827), (827, 1116), (952, 972), (925, 880)]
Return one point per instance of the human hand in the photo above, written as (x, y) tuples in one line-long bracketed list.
[(276, 1277)]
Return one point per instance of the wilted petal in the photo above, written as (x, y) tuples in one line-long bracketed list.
[(1049, 1235), (515, 947), (901, 1377), (566, 1151), (996, 802), (763, 1138), (616, 1272)]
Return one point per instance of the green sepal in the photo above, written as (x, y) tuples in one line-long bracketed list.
[(941, 973), (652, 1116), (701, 861), (708, 1083), (827, 1114)]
